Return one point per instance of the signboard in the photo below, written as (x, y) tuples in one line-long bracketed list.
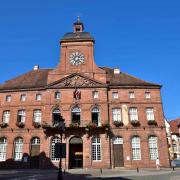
[(60, 150)]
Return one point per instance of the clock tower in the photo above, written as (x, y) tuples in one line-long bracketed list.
[(77, 56)]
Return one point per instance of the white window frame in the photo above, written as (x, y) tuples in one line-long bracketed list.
[(133, 114), (3, 148), (150, 114), (18, 149), (38, 97), (96, 149), (95, 94), (8, 98), (117, 140), (153, 147), (115, 95), (57, 95), (131, 95), (136, 148), (35, 141), (6, 116), (96, 110), (37, 115), (21, 116), (116, 114), (147, 95), (54, 140), (23, 97)]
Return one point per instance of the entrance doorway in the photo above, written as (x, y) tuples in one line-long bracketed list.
[(75, 153), (118, 152), (35, 153)]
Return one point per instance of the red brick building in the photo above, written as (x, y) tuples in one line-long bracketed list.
[(112, 119)]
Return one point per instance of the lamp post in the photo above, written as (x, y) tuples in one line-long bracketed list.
[(61, 128)]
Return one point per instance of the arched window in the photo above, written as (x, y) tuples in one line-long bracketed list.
[(117, 140), (3, 148), (54, 140), (95, 116), (18, 149), (76, 115), (37, 115), (6, 116), (56, 115), (35, 141), (96, 149), (153, 147), (136, 148)]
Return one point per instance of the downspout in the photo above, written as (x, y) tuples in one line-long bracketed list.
[(109, 126)]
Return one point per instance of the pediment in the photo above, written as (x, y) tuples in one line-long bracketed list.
[(76, 80)]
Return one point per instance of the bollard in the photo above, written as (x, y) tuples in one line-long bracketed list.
[(137, 170), (101, 170)]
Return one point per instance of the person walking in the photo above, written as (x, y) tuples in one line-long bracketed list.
[(157, 163)]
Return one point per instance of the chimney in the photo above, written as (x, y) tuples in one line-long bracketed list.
[(36, 67), (116, 71)]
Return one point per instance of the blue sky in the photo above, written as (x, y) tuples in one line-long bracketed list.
[(140, 37)]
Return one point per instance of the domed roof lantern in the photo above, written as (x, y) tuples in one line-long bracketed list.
[(78, 25)]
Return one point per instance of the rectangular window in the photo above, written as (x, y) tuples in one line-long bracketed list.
[(3, 149), (133, 114), (21, 116), (150, 114), (6, 116), (96, 149), (136, 149), (115, 95), (116, 112), (95, 94), (38, 97), (147, 95), (23, 97), (57, 95), (131, 95), (153, 148), (8, 98), (37, 115)]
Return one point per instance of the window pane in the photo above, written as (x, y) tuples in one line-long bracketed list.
[(96, 149), (3, 149), (116, 112), (53, 142), (150, 113), (37, 115), (136, 149), (153, 148), (18, 149), (6, 116), (133, 114), (21, 116)]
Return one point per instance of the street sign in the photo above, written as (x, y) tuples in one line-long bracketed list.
[(60, 150)]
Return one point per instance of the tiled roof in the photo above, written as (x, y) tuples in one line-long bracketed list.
[(77, 36), (38, 79), (124, 79), (174, 124), (32, 79)]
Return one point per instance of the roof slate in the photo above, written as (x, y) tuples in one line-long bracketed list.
[(38, 79)]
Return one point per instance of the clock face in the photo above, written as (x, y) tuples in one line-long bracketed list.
[(76, 58)]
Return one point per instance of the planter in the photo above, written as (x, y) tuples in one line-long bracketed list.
[(36, 124), (135, 123), (91, 126), (74, 125), (106, 125), (4, 125), (152, 122), (20, 124), (118, 123)]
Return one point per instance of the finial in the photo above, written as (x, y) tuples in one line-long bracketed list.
[(78, 19)]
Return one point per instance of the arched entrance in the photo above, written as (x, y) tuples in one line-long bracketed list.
[(75, 152), (34, 152), (118, 151)]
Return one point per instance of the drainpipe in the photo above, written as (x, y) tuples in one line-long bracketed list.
[(110, 127)]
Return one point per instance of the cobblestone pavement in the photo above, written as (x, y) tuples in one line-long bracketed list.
[(94, 174)]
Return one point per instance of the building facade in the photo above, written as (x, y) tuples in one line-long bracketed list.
[(112, 119)]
